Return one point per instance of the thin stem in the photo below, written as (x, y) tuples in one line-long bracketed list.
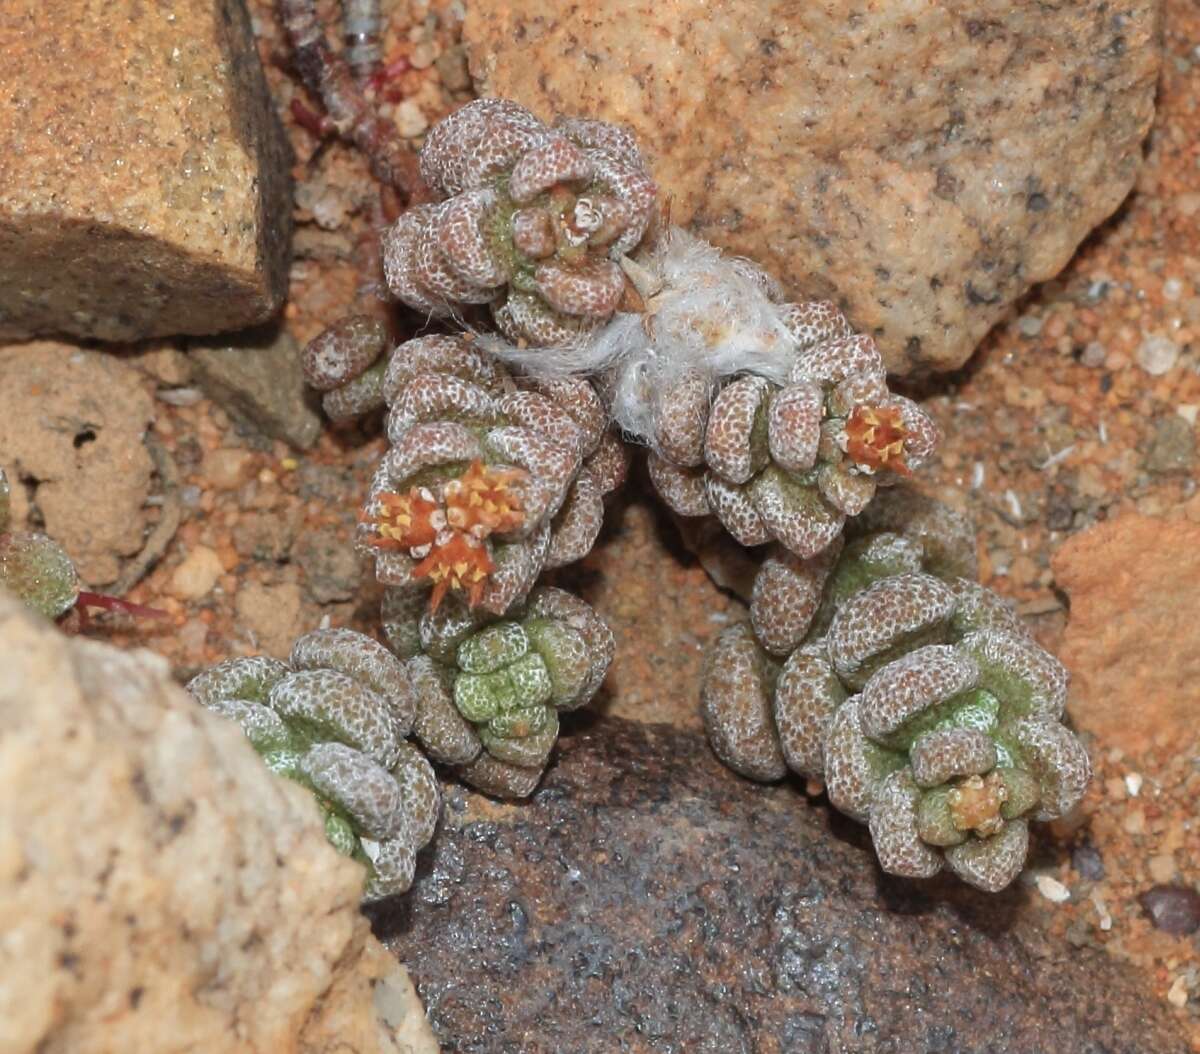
[(328, 76)]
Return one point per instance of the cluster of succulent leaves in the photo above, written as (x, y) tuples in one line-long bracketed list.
[(488, 690), (461, 427), (532, 221), (915, 693), (876, 664), (34, 567), (336, 718), (773, 416)]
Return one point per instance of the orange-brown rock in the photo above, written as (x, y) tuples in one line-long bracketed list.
[(143, 174), (72, 423), (922, 163), (160, 889), (1133, 640)]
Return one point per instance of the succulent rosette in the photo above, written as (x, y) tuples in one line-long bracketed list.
[(335, 718), (790, 461), (916, 694), (490, 479), (489, 692), (533, 221)]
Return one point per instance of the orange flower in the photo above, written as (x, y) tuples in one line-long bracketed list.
[(445, 533), (480, 501), (875, 439), (406, 520), (460, 562)]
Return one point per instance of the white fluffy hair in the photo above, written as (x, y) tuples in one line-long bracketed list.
[(704, 311)]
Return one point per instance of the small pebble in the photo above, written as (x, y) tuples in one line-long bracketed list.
[(410, 121), (1157, 354), (1094, 355), (1172, 909), (452, 69), (227, 468), (1029, 325), (422, 56), (1172, 289), (1102, 912), (1088, 862), (1177, 996), (1161, 867), (1052, 889), (180, 396), (196, 576), (1133, 783), (1173, 448)]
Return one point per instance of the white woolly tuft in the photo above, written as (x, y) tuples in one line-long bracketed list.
[(704, 311), (590, 353)]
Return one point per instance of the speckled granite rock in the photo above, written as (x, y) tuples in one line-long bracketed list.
[(647, 900), (923, 164), (1132, 642), (160, 889), (143, 174), (256, 377), (72, 421)]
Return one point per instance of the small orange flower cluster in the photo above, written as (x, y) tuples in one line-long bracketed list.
[(875, 439), (445, 532)]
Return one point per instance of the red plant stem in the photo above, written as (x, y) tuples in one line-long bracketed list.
[(328, 76), (313, 123), (390, 72), (103, 600)]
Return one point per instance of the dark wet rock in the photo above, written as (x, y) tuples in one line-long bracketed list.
[(647, 899), (1172, 909)]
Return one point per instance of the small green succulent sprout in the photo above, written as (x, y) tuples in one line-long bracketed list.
[(489, 693), (927, 708), (335, 718), (38, 572), (34, 567)]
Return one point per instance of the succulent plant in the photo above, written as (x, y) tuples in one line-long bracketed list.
[(773, 416), (930, 712), (345, 363), (34, 567), (489, 692), (533, 220), (38, 572), (490, 479), (335, 718), (791, 434)]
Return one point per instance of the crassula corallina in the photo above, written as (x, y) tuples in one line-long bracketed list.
[(785, 433), (335, 718), (489, 692), (929, 711), (34, 567), (490, 479), (533, 220)]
